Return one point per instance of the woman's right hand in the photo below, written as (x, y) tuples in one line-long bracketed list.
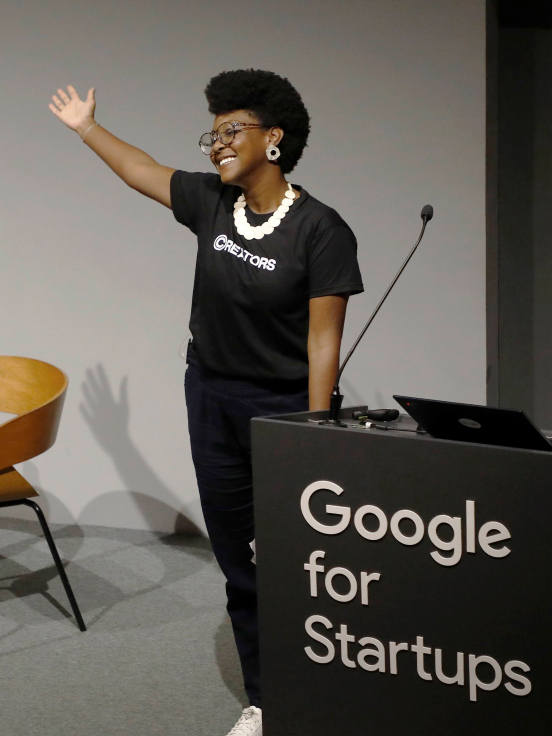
[(71, 110)]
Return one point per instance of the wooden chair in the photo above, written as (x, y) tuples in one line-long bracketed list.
[(35, 392)]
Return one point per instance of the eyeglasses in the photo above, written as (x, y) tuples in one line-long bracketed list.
[(224, 133)]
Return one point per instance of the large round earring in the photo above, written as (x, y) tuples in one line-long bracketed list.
[(272, 153)]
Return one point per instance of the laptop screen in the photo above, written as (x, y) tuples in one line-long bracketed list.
[(472, 423)]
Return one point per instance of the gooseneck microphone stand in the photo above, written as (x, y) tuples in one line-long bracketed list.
[(336, 398)]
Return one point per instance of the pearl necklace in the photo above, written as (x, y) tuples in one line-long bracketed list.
[(248, 231)]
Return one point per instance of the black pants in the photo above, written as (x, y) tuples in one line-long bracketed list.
[(219, 414)]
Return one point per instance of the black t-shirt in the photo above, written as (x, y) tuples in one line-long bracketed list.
[(250, 305)]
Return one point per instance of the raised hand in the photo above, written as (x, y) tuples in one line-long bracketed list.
[(73, 111)]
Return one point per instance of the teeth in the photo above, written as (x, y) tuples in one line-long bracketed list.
[(226, 160)]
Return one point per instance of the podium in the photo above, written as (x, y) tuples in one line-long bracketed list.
[(404, 583)]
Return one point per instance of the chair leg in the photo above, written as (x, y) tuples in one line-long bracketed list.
[(55, 554)]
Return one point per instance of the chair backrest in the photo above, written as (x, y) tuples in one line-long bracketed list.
[(35, 391)]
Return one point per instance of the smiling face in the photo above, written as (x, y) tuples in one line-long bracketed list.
[(243, 161)]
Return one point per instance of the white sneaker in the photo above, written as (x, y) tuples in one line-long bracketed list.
[(250, 723)]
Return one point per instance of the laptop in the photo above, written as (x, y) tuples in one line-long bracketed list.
[(486, 425)]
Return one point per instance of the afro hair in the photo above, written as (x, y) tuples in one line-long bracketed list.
[(272, 99)]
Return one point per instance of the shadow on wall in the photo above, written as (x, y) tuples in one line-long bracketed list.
[(107, 418)]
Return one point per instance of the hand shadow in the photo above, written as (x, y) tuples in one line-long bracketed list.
[(108, 419)]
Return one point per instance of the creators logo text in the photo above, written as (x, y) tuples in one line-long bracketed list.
[(222, 242)]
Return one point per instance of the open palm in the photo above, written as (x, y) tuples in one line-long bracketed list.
[(70, 109)]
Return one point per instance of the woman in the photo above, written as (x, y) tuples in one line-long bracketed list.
[(275, 268)]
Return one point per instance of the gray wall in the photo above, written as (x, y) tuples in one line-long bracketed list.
[(98, 280), (525, 221)]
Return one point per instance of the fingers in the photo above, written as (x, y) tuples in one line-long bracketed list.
[(63, 96), (123, 392), (58, 103), (89, 397), (103, 382), (86, 414), (93, 384), (68, 106)]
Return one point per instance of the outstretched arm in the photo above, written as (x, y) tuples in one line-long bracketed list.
[(136, 168)]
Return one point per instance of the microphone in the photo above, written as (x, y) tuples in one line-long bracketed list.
[(336, 399), (427, 213)]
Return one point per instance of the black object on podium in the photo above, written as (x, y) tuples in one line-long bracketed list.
[(404, 582)]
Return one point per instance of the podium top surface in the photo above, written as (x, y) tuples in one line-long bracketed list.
[(404, 427)]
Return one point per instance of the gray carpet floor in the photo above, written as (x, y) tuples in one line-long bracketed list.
[(158, 656)]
